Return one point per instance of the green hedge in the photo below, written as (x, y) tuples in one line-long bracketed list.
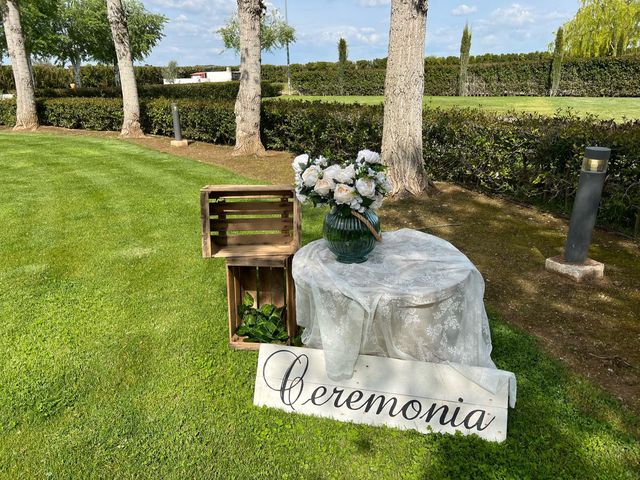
[(490, 75), (198, 91), (528, 158), (494, 75)]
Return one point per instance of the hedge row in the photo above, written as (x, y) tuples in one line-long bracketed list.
[(610, 77), (199, 91), (495, 75), (528, 158)]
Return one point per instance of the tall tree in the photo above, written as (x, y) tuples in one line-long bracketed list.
[(248, 101), (342, 51), (131, 107), (275, 32), (603, 28), (71, 45), (465, 48), (403, 91), (26, 113), (145, 31), (556, 66), (342, 64)]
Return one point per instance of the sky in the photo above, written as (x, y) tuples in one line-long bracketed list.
[(498, 27)]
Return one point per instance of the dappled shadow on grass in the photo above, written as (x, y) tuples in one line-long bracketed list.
[(561, 426), (594, 327)]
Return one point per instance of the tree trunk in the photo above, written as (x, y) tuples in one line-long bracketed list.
[(403, 91), (116, 74), (26, 114), (118, 22), (248, 101), (76, 72)]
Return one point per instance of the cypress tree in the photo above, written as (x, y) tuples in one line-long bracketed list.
[(342, 64), (465, 48), (556, 66), (342, 51)]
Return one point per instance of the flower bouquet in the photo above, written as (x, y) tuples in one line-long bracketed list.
[(354, 190)]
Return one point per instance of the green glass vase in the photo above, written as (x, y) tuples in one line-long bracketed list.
[(348, 237)]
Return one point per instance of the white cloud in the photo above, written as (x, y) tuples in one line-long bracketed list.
[(464, 10), (361, 35), (514, 14), (374, 3)]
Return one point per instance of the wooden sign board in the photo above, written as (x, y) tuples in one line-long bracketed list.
[(426, 397)]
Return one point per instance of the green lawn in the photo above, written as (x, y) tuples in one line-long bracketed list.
[(602, 107), (115, 361)]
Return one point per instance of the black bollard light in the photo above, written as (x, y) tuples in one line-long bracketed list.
[(585, 206), (176, 122)]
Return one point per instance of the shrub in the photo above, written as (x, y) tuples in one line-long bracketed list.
[(200, 91), (527, 158)]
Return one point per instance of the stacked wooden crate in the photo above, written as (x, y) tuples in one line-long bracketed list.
[(256, 229)]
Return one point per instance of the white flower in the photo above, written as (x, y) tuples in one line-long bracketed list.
[(382, 180), (300, 162), (366, 187), (368, 156), (344, 194), (301, 198), (346, 174), (310, 175), (356, 204), (377, 202), (320, 161), (324, 186), (330, 172)]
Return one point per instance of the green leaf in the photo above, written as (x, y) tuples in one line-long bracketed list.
[(248, 300)]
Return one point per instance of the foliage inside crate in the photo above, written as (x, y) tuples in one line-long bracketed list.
[(265, 324)]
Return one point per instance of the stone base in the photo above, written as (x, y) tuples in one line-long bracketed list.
[(179, 143), (589, 270)]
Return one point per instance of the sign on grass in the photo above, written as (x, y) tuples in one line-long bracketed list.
[(427, 397)]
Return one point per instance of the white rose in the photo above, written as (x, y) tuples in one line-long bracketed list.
[(301, 198), (320, 161), (310, 175), (377, 202), (300, 162), (346, 174), (366, 187), (344, 194), (330, 173), (368, 156), (323, 186)]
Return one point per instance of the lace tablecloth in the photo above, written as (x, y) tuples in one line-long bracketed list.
[(416, 298)]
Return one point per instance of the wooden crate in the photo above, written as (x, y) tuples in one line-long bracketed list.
[(249, 220), (256, 228), (268, 279)]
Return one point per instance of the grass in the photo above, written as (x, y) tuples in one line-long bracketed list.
[(602, 107), (115, 359)]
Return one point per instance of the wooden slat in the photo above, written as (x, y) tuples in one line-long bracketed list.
[(249, 251), (247, 188), (271, 286), (204, 218), (297, 222), (259, 261), (232, 301), (261, 239), (290, 289), (242, 190), (251, 224), (250, 208)]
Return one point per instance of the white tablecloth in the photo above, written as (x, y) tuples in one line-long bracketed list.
[(416, 298)]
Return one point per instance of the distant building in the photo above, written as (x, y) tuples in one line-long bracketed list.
[(207, 77)]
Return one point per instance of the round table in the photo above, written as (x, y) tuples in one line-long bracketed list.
[(416, 298)]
